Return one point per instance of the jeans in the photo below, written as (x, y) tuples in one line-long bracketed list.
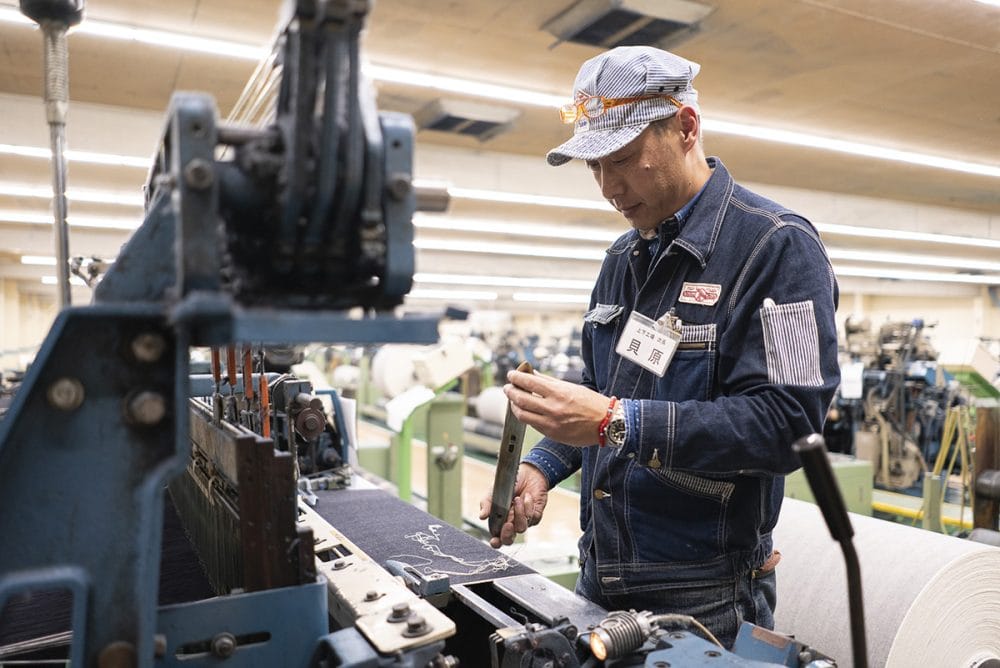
[(721, 605)]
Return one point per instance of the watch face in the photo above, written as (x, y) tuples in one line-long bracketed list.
[(616, 431)]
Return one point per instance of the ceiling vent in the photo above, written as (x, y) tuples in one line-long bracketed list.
[(481, 121), (611, 23)]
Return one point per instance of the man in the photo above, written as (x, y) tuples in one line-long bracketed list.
[(710, 347)]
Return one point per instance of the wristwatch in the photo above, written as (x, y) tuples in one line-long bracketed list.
[(616, 430)]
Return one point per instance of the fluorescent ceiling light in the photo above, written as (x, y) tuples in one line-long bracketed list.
[(551, 297), (464, 86), (906, 275), (505, 281), (528, 198), (97, 222), (74, 280), (78, 156), (572, 234), (846, 146), (40, 260), (903, 235), (912, 259), (75, 194), (567, 232), (563, 252), (172, 40), (454, 295)]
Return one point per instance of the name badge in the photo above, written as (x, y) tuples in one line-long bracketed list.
[(650, 343)]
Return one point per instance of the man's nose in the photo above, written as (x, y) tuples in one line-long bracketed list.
[(611, 185)]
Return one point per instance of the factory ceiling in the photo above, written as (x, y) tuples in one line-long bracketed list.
[(918, 76)]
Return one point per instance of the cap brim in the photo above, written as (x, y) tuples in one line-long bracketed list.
[(594, 145)]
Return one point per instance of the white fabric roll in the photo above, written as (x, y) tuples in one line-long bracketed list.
[(929, 599), (491, 405), (392, 369)]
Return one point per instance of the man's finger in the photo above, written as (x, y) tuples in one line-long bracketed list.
[(507, 534), (530, 382), (529, 509), (520, 518)]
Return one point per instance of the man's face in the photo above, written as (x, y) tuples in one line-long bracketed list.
[(647, 180)]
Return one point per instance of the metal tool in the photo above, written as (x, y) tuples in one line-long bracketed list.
[(508, 459)]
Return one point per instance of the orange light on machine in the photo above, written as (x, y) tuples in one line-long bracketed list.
[(597, 646)]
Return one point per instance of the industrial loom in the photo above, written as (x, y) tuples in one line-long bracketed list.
[(149, 517)]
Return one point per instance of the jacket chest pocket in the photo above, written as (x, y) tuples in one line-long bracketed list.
[(691, 374), (602, 323)]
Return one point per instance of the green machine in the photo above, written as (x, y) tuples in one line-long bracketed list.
[(439, 424), (854, 477)]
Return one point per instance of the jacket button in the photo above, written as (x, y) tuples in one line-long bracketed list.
[(600, 494)]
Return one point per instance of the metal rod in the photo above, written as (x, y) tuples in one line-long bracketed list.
[(432, 198), (56, 101)]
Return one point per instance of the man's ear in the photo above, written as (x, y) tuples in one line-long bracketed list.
[(690, 125)]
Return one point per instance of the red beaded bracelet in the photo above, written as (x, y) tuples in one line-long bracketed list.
[(603, 427)]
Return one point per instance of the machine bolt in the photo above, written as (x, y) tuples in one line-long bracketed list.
[(66, 394), (339, 564), (147, 408), (117, 654), (198, 174), (416, 626), (399, 186), (223, 645), (661, 664), (148, 347), (400, 611), (159, 645), (712, 654), (371, 595)]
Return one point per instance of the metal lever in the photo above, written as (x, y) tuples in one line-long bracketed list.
[(812, 451)]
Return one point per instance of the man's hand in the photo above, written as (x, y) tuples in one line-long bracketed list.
[(531, 493), (563, 411)]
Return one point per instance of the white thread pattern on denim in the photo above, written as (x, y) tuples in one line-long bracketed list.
[(791, 343)]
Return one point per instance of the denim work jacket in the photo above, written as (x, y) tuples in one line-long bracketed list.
[(693, 494)]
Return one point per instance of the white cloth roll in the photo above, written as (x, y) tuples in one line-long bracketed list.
[(392, 369), (929, 599), (491, 405)]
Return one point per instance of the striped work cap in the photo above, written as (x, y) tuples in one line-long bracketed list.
[(618, 94)]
